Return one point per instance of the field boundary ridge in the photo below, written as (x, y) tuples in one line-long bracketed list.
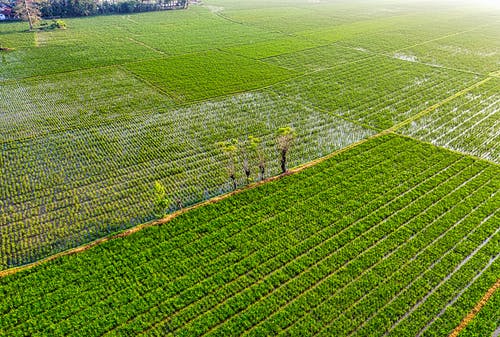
[(433, 107), (472, 314), (171, 216)]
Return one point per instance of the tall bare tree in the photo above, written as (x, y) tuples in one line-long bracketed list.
[(258, 150), (28, 10), (286, 136), (230, 149)]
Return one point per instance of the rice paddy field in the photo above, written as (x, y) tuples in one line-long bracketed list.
[(394, 232)]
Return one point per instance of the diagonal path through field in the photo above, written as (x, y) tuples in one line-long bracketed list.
[(282, 288), (145, 45), (368, 270), (445, 279), (470, 316), (437, 105)]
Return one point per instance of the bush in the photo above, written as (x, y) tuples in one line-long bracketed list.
[(58, 24)]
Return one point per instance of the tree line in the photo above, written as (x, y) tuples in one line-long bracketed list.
[(76, 8), (33, 11), (248, 153)]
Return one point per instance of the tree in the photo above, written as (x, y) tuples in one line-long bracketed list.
[(257, 149), (160, 200), (27, 10), (246, 157), (230, 149), (286, 136)]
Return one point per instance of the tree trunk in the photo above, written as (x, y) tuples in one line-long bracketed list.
[(233, 178), (283, 161), (247, 173), (178, 201), (28, 13)]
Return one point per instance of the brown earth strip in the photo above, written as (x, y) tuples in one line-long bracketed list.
[(467, 319), (174, 215), (251, 186)]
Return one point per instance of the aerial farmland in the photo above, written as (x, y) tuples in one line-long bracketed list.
[(253, 168)]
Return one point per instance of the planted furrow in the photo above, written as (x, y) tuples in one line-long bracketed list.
[(394, 193), (374, 321), (366, 225), (349, 317), (414, 231)]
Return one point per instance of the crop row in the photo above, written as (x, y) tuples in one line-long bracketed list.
[(487, 321), (69, 187), (214, 220), (467, 124), (268, 261), (379, 91)]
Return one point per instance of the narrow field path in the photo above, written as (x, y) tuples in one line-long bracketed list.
[(438, 104), (300, 168), (476, 310), (174, 215)]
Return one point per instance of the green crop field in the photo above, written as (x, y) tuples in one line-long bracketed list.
[(487, 320), (313, 253), (469, 124), (396, 233)]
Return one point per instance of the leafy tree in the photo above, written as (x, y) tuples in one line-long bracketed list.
[(257, 149), (286, 136), (28, 10), (230, 149), (246, 157), (160, 200)]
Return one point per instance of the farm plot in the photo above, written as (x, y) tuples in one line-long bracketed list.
[(476, 51), (378, 92), (196, 31), (316, 253), (420, 29), (72, 49), (318, 20), (469, 124), (71, 101), (62, 189), (274, 47), (320, 58), (391, 41), (206, 75), (487, 321), (284, 19), (353, 29)]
